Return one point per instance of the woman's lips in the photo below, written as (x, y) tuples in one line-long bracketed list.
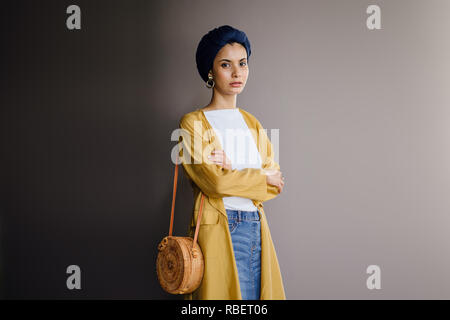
[(236, 84)]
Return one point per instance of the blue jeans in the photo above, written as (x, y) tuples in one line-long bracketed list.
[(245, 230)]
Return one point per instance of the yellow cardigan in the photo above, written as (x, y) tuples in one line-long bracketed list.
[(220, 280)]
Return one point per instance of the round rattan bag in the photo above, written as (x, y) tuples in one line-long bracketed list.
[(180, 262)]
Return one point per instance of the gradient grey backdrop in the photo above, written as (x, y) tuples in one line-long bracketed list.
[(364, 141)]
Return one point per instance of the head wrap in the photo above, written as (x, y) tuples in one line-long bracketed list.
[(212, 42)]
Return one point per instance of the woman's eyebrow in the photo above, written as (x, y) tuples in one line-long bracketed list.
[(230, 60)]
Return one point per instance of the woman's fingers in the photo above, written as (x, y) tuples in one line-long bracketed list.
[(272, 172), (281, 186), (219, 157), (216, 158)]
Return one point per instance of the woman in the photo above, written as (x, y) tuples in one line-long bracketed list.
[(240, 259)]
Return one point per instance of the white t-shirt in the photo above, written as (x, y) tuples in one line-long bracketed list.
[(239, 146)]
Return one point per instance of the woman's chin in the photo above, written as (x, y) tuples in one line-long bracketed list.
[(236, 90)]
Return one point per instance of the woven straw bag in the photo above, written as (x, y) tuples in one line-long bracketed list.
[(180, 263)]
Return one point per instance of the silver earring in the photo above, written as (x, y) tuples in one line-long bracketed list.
[(208, 83)]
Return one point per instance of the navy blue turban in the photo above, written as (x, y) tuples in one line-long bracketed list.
[(212, 42)]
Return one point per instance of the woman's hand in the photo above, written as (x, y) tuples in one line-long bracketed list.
[(275, 178), (219, 157)]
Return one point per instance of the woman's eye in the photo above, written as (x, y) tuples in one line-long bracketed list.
[(224, 65)]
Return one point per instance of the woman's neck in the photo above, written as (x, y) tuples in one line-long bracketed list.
[(219, 101)]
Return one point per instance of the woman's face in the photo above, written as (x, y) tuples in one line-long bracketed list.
[(230, 65)]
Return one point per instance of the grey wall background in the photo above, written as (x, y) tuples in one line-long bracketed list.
[(364, 137)]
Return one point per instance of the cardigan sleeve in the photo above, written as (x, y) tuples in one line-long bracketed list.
[(214, 180), (269, 163)]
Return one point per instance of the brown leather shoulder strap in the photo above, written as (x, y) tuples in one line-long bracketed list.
[(199, 218), (175, 180)]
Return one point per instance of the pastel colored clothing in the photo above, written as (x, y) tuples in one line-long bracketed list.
[(221, 279)]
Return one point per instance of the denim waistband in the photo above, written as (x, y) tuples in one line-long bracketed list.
[(241, 215)]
